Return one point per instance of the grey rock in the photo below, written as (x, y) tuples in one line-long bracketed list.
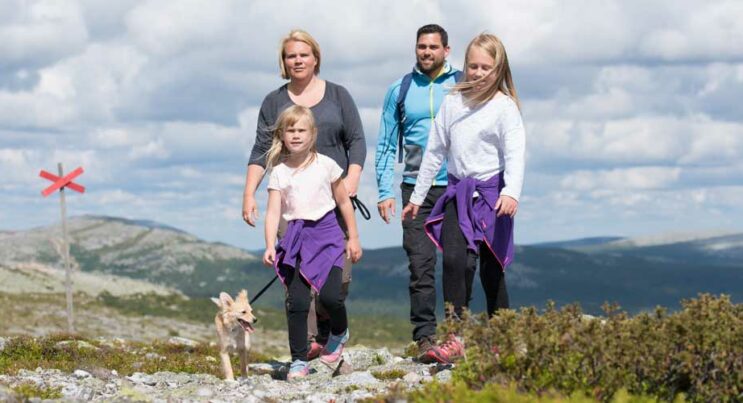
[(204, 392), (2, 344), (412, 378), (154, 356), (7, 395), (81, 344), (363, 358), (141, 378), (262, 384), (443, 376), (80, 374), (182, 341), (361, 379)]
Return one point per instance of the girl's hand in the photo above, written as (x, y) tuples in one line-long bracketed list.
[(506, 205), (411, 209), (269, 257), (353, 249)]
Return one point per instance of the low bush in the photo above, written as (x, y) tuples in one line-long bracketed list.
[(29, 390), (696, 352), (63, 352)]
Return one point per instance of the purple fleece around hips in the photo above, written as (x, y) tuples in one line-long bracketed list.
[(476, 216), (316, 245)]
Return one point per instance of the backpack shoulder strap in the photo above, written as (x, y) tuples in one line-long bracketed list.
[(458, 76), (400, 112)]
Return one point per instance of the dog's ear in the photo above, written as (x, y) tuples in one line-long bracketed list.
[(225, 299), (242, 296), (217, 301)]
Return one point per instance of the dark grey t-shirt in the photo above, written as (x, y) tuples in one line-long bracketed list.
[(340, 135)]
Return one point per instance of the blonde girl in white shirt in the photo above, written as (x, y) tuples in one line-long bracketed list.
[(304, 188), (479, 131)]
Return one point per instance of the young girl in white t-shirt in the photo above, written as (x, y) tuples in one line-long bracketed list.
[(304, 189), (479, 131)]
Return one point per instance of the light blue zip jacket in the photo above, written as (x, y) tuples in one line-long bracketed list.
[(421, 105)]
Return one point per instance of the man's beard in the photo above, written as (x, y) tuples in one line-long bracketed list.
[(436, 66)]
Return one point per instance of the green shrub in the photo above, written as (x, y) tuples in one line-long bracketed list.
[(697, 351), (28, 390), (46, 352), (389, 374)]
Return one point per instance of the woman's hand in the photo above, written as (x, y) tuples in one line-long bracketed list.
[(269, 257), (352, 179), (250, 210), (506, 205), (411, 209), (353, 249)]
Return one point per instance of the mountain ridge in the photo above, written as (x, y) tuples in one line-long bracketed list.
[(586, 271)]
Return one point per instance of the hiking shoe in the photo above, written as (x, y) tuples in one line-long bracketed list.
[(298, 369), (332, 351), (448, 352), (425, 345), (314, 350)]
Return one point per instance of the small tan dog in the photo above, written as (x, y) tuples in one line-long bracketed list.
[(234, 323)]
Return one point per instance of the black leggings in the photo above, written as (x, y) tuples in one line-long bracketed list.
[(459, 268), (298, 305)]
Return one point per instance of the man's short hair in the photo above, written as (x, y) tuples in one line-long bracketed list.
[(433, 29)]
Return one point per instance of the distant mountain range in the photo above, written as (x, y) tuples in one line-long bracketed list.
[(636, 273)]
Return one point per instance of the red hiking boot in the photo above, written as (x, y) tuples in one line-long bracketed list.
[(449, 351), (314, 350)]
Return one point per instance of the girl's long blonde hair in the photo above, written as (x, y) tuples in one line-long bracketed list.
[(491, 45), (289, 117)]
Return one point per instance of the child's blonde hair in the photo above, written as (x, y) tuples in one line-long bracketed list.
[(289, 117), (491, 45)]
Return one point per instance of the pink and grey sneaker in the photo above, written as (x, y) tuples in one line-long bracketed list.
[(449, 351), (314, 350), (298, 369), (332, 351)]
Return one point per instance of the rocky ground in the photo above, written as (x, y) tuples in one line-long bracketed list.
[(371, 372)]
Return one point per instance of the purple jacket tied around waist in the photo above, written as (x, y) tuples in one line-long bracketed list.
[(314, 246), (476, 216)]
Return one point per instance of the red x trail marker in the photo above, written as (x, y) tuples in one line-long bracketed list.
[(65, 181), (61, 182)]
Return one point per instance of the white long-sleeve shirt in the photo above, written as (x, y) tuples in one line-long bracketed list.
[(477, 142)]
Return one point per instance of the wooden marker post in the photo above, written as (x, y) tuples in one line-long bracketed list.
[(61, 182)]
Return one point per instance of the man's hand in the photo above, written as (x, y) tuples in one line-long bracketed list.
[(411, 209), (250, 210), (386, 209), (506, 205)]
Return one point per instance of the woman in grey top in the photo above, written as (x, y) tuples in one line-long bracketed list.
[(340, 136)]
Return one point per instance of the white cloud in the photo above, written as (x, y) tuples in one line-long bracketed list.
[(40, 32), (622, 179), (632, 108)]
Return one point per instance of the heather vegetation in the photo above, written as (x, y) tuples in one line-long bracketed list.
[(550, 355), (695, 354), (68, 352)]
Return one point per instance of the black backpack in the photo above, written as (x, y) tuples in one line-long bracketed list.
[(400, 108)]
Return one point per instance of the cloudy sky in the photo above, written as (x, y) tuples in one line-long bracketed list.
[(633, 109)]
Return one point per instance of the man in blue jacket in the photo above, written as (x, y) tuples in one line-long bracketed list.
[(409, 108)]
